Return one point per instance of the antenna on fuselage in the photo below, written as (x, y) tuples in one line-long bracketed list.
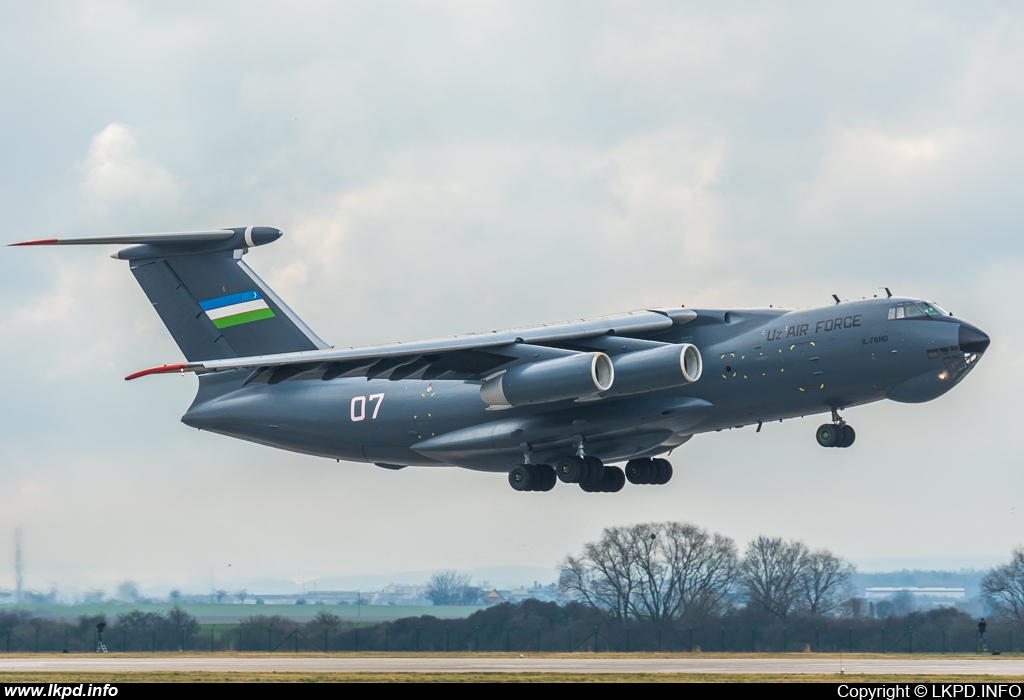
[(888, 294), (836, 297)]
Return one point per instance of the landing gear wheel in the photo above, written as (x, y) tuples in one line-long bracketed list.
[(521, 477), (571, 470), (595, 471), (546, 477), (849, 435), (638, 471), (828, 435), (664, 471), (614, 480)]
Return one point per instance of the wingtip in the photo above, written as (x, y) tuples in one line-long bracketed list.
[(163, 369), (41, 241)]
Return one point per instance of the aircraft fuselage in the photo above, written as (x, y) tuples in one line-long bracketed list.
[(759, 366)]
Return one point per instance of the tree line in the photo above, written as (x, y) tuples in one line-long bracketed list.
[(670, 571), (133, 631), (530, 626)]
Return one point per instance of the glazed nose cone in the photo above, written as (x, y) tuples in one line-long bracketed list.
[(972, 339)]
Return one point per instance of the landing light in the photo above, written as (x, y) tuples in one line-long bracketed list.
[(942, 376)]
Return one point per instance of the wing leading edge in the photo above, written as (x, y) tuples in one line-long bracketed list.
[(474, 356)]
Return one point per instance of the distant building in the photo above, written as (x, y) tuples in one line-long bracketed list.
[(492, 598), (392, 594), (930, 593)]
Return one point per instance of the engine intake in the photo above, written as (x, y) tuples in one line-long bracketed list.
[(660, 368), (572, 377)]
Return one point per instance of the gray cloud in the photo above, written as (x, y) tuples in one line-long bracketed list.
[(451, 167)]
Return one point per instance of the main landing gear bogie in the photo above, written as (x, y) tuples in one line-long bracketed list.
[(655, 471), (592, 475), (836, 434), (532, 477)]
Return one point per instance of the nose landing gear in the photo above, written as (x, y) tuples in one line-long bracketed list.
[(837, 433)]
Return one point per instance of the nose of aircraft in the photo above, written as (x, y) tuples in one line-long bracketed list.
[(972, 339)]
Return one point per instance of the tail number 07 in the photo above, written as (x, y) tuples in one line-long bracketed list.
[(357, 410)]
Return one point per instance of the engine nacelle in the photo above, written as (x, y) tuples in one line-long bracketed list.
[(572, 377), (660, 368)]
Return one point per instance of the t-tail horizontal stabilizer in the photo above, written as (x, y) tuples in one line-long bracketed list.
[(212, 303), (172, 242)]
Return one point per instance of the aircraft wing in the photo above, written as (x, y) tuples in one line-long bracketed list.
[(464, 357)]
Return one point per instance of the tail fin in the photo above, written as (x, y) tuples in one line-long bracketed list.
[(213, 304)]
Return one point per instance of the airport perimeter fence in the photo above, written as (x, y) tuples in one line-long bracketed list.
[(515, 629)]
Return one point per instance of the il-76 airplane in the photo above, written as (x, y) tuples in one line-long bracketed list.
[(547, 403)]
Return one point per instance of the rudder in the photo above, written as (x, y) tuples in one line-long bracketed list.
[(216, 307)]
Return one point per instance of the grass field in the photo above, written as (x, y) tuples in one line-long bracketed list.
[(228, 612)]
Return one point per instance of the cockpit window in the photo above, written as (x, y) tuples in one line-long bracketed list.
[(915, 310)]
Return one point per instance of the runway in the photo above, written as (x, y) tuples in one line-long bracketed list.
[(281, 664)]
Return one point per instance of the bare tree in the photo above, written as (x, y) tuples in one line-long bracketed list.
[(655, 595), (652, 571), (1004, 585), (704, 565), (327, 620), (770, 574), (824, 582), (607, 576), (128, 592), (451, 588), (579, 580), (180, 618), (470, 595)]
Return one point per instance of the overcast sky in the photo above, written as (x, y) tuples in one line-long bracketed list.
[(450, 167)]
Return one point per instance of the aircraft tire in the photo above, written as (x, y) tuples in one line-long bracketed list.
[(547, 478), (614, 480), (595, 471), (663, 471), (828, 435), (571, 470), (521, 477), (593, 486), (849, 435), (638, 471)]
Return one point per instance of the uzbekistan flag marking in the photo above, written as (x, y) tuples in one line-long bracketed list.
[(236, 309)]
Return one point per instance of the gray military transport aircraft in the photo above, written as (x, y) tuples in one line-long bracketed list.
[(546, 403)]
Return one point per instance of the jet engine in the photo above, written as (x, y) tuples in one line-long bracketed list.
[(650, 370), (572, 377)]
